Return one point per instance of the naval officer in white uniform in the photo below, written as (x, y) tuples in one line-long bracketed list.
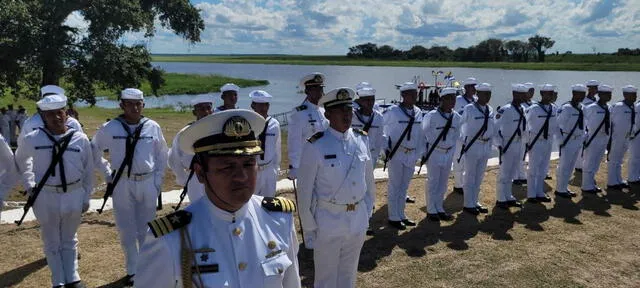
[(270, 142)]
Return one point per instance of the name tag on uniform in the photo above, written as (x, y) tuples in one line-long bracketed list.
[(357, 125), (73, 149), (312, 121), (119, 137), (212, 268), (600, 112), (270, 134), (481, 117), (332, 156), (43, 147)]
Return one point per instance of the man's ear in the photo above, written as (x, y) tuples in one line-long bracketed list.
[(199, 172)]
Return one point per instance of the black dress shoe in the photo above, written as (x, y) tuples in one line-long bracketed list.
[(598, 189), (370, 232), (397, 224), (544, 198), (408, 222), (458, 190), (592, 191), (514, 203), (128, 280), (410, 199), (563, 194), (482, 209), (625, 185), (472, 211), (445, 216), (502, 204), (571, 193), (433, 217), (548, 177), (77, 284), (614, 187), (634, 182), (532, 200), (578, 170), (520, 181)]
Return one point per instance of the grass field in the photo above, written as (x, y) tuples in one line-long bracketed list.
[(553, 62), (590, 241)]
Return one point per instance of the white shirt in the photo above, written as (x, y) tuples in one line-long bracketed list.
[(35, 121), (621, 120), (473, 119), (305, 120), (433, 123), (213, 240), (7, 169), (537, 115), (568, 118), (637, 123), (272, 145), (510, 122), (375, 133), (33, 157), (180, 163), (150, 154), (334, 171), (588, 101), (594, 114), (461, 102), (412, 146)]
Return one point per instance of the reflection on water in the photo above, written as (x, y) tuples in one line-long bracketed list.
[(283, 81)]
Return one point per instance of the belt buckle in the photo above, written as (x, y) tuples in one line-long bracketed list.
[(351, 207)]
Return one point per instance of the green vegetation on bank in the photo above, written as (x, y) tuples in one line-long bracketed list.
[(574, 62)]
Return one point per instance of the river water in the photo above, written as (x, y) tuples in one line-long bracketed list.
[(283, 81)]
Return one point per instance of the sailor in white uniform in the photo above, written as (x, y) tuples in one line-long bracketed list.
[(572, 133), (592, 93), (598, 120), (270, 142), (332, 193), (35, 121), (232, 237), (405, 145), (463, 100), (478, 129), (229, 96), (138, 154), (521, 176), (179, 161), (633, 171), (511, 125), (56, 166), (8, 176), (441, 131), (542, 128), (623, 116)]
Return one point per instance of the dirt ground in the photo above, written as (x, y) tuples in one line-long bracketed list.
[(590, 241)]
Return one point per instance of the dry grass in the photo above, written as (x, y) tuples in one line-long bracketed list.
[(587, 242)]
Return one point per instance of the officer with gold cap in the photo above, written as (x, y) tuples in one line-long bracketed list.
[(623, 115), (333, 193), (231, 238), (305, 120), (138, 154), (229, 95), (572, 129), (270, 142), (179, 161), (56, 165), (598, 124)]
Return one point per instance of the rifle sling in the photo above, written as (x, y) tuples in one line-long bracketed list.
[(442, 134), (57, 158), (404, 133), (132, 141)]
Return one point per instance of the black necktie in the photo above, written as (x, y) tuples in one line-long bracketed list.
[(607, 121), (485, 124), (55, 149), (263, 138), (633, 117), (545, 126), (580, 116)]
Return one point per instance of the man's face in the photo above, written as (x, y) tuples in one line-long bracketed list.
[(409, 96), (55, 119), (232, 180), (339, 117), (261, 108), (484, 97), (366, 104), (230, 98), (202, 110), (314, 92), (630, 97), (592, 90), (578, 96), (447, 102), (546, 96), (605, 96), (470, 89), (132, 108), (530, 94)]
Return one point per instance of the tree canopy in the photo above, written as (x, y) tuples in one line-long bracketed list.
[(37, 47)]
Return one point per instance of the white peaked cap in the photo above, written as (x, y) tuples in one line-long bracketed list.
[(260, 96)]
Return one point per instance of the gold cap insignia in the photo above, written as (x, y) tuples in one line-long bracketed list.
[(343, 94), (317, 79), (237, 126)]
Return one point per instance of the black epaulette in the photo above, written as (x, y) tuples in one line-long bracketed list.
[(167, 224), (301, 108), (279, 204), (315, 137), (360, 131)]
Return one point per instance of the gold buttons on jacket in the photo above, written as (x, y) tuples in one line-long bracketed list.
[(271, 244), (237, 231), (242, 266)]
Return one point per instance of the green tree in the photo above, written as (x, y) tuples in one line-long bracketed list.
[(38, 48), (541, 44)]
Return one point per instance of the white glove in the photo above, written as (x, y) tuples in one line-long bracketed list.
[(293, 173)]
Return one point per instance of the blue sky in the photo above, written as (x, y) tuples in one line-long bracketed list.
[(330, 27)]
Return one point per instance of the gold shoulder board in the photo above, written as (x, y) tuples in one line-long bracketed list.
[(279, 204), (167, 224)]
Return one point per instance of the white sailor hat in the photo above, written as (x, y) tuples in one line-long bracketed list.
[(547, 88), (259, 96), (529, 85), (131, 94), (604, 88), (51, 89), (629, 89), (592, 83), (229, 132), (408, 86), (313, 79), (578, 88), (448, 91), (229, 87), (520, 88), (338, 96), (470, 81), (52, 102), (486, 87), (366, 92), (204, 98), (362, 85)]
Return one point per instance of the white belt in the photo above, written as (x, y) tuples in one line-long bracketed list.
[(406, 149), (264, 165), (140, 176), (335, 207), (58, 188)]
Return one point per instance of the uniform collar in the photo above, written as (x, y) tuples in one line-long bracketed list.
[(223, 215), (309, 104), (341, 136)]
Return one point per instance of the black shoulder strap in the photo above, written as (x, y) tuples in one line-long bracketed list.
[(442, 135), (404, 133), (513, 136), (367, 125), (58, 149), (263, 137), (573, 129), (481, 131), (543, 130), (130, 147)]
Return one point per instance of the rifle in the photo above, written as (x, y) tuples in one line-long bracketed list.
[(109, 190), (295, 194), (52, 166), (159, 205), (186, 187)]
